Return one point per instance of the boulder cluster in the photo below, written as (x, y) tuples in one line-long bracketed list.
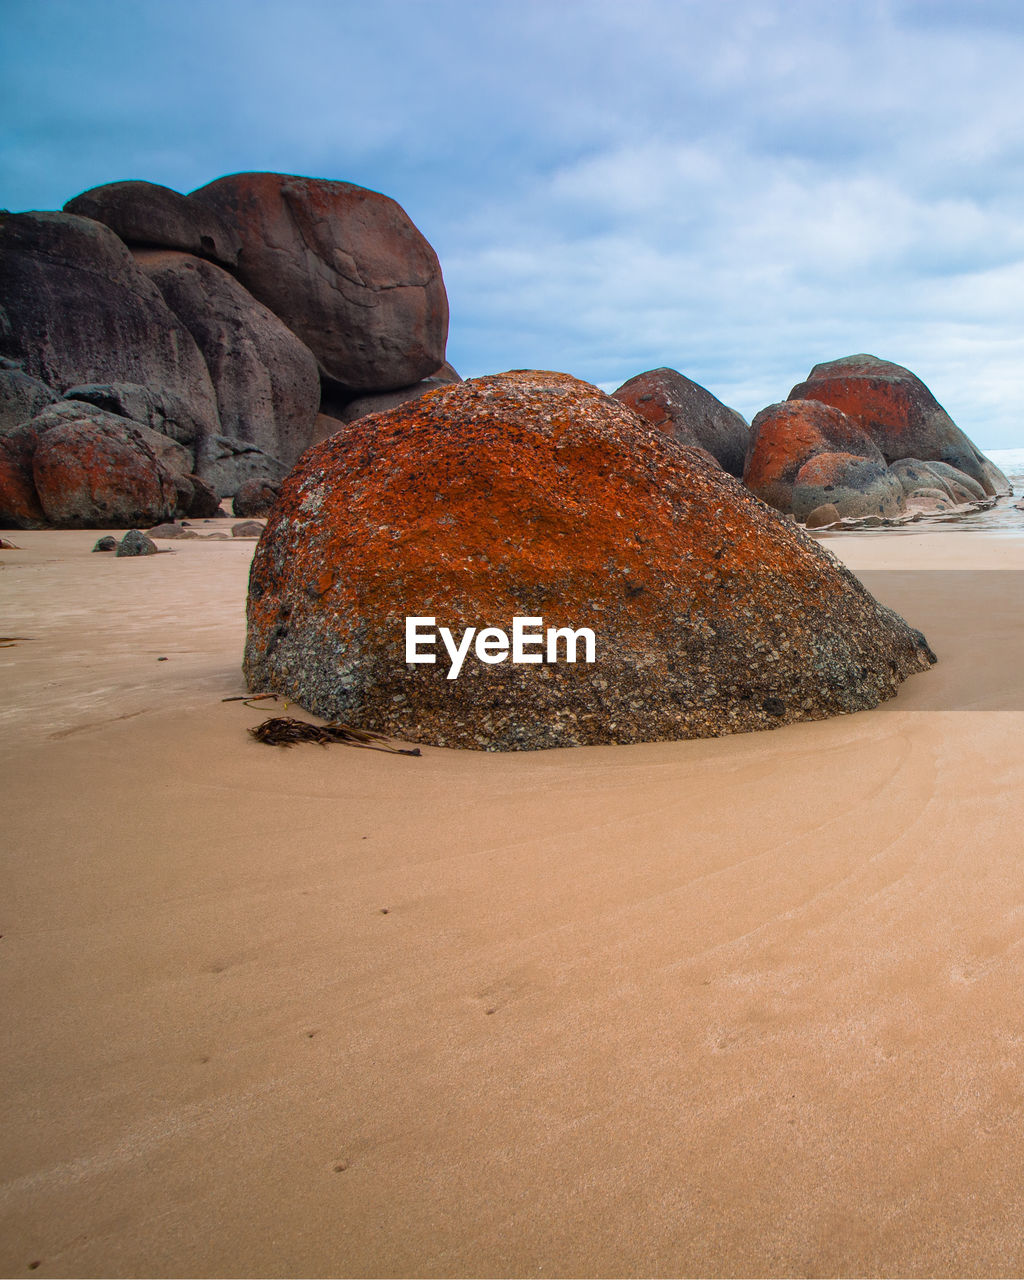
[(158, 351), (281, 341), (862, 441)]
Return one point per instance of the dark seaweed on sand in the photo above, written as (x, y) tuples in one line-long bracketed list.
[(282, 731)]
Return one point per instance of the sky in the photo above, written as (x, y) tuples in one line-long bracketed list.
[(737, 189)]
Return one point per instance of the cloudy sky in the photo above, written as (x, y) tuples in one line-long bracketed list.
[(735, 188)]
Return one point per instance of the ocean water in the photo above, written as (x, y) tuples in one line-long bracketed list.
[(1004, 516), (1011, 463)]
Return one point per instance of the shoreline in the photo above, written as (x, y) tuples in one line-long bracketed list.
[(730, 1006)]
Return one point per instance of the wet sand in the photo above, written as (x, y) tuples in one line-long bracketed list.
[(748, 1006)]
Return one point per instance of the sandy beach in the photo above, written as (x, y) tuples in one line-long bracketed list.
[(743, 1006)]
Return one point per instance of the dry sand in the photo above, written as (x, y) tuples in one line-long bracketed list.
[(750, 1006)]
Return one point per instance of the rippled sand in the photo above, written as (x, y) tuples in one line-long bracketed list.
[(745, 1006)]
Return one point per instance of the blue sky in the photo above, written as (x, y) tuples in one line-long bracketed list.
[(735, 188)]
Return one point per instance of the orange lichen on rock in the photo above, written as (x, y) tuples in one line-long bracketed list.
[(899, 413), (785, 437), (531, 494), (19, 503)]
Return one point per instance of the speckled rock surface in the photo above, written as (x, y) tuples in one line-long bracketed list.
[(136, 543), (532, 494), (855, 486), (690, 414), (900, 415), (913, 474)]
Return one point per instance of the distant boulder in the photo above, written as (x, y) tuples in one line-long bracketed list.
[(533, 495), (21, 397), (689, 414), (915, 475), (92, 469), (79, 310), (855, 487), (265, 379), (804, 454), (135, 543), (900, 414), (146, 214), (345, 269), (196, 499), (255, 498)]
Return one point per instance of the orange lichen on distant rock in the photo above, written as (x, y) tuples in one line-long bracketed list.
[(895, 408), (804, 454)]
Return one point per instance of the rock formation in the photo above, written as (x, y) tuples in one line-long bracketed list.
[(533, 495), (191, 315), (227, 463), (345, 269), (865, 440), (79, 310), (688, 413), (91, 469), (804, 455), (136, 543), (255, 498), (146, 215), (19, 502), (265, 379), (900, 414), (21, 397)]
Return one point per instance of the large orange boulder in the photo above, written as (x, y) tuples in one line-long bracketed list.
[(533, 496), (804, 454), (345, 269), (690, 414), (900, 414)]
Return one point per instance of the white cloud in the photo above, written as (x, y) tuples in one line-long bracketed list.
[(738, 190)]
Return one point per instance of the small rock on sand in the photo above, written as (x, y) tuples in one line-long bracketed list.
[(135, 543)]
